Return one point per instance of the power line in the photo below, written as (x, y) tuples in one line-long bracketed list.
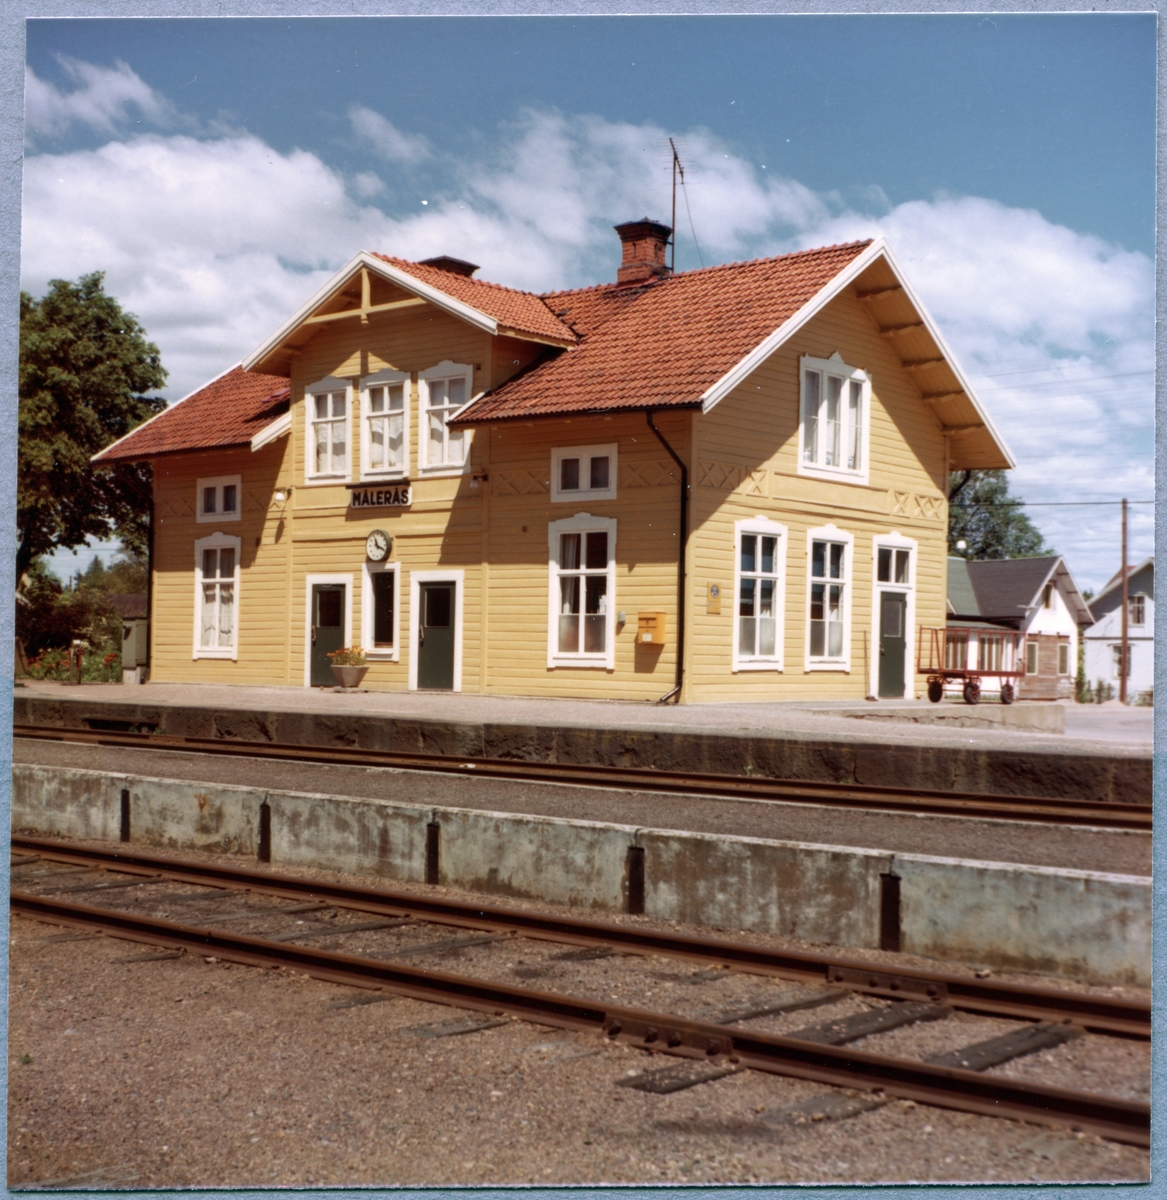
[(1044, 503)]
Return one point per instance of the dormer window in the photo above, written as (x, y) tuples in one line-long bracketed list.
[(835, 400), (444, 390), (328, 419), (385, 424), (583, 471)]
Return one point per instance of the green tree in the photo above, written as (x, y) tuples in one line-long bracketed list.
[(990, 522), (85, 369)]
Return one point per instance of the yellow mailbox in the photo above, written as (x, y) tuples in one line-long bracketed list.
[(650, 628)]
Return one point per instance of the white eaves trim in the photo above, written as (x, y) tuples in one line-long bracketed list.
[(269, 433), (387, 271), (167, 409), (878, 249)]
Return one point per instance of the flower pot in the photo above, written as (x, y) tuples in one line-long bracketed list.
[(349, 677)]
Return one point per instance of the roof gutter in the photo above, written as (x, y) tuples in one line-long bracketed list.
[(682, 557)]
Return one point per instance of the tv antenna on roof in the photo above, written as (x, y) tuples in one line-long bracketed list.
[(679, 172)]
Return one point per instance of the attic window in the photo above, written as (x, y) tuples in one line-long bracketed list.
[(833, 422), (218, 498), (578, 471)]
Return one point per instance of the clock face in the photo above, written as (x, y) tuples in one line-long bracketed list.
[(377, 545)]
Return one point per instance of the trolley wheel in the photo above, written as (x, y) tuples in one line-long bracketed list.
[(972, 691), (935, 690), (1008, 693)]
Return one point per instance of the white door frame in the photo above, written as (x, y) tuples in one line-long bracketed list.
[(309, 582), (416, 579), (895, 541)]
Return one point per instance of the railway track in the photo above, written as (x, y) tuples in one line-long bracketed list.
[(884, 1001), (1046, 810)]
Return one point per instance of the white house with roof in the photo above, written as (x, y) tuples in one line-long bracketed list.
[(1104, 639), (1036, 597)]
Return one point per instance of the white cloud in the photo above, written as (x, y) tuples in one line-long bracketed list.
[(214, 241), (102, 99), (385, 138)]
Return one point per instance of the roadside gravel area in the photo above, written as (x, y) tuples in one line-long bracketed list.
[(129, 1067)]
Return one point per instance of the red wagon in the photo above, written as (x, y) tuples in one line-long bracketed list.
[(945, 656)]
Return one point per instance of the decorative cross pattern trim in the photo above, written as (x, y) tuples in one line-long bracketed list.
[(899, 502), (645, 474), (931, 507), (722, 477), (176, 506), (520, 483)]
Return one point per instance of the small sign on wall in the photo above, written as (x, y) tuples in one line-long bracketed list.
[(381, 497), (713, 599)]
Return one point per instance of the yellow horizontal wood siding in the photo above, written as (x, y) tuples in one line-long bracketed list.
[(265, 534), (517, 549), (746, 465)]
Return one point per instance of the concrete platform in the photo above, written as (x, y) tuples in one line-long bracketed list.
[(1088, 925), (1108, 758)]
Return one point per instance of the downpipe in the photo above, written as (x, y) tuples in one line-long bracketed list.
[(682, 556)]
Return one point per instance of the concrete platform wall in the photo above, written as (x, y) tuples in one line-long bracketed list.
[(1098, 777), (1091, 926)]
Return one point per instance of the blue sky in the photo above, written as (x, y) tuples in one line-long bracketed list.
[(219, 170)]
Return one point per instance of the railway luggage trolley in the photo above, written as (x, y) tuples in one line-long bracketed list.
[(967, 654)]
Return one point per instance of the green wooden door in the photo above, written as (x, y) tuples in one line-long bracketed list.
[(893, 644), (435, 637), (327, 630)]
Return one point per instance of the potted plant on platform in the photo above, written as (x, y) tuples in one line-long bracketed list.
[(349, 665)]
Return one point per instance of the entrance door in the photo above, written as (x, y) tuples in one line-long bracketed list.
[(435, 636), (327, 630), (893, 644)]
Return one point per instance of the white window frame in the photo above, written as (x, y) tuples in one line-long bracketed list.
[(1063, 647), (765, 527), (215, 541), (309, 582), (416, 579), (582, 523), (584, 454), (367, 469), (219, 482), (1137, 601), (444, 370), (817, 468), (330, 384), (831, 533), (371, 652), (893, 541)]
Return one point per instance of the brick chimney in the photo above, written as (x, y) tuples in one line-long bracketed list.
[(644, 245)]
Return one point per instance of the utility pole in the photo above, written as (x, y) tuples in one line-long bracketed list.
[(1124, 653)]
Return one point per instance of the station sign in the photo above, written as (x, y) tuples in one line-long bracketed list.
[(399, 496)]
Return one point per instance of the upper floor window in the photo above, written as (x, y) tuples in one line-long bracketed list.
[(833, 421), (328, 419), (583, 471), (1138, 609), (1047, 596), (444, 389), (385, 424), (219, 498), (758, 586), (829, 608), (216, 596), (582, 592)]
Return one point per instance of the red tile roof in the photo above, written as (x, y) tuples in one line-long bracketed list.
[(663, 345), (228, 411), (521, 311)]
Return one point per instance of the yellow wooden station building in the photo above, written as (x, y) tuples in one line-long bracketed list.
[(723, 484)]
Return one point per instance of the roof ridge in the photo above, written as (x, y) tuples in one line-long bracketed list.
[(744, 262), (487, 283)]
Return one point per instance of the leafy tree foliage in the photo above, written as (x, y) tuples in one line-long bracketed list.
[(85, 369), (990, 522), (127, 574), (49, 617)]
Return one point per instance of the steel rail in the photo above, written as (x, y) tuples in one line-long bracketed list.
[(1112, 1117), (1043, 809), (1099, 1014)]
